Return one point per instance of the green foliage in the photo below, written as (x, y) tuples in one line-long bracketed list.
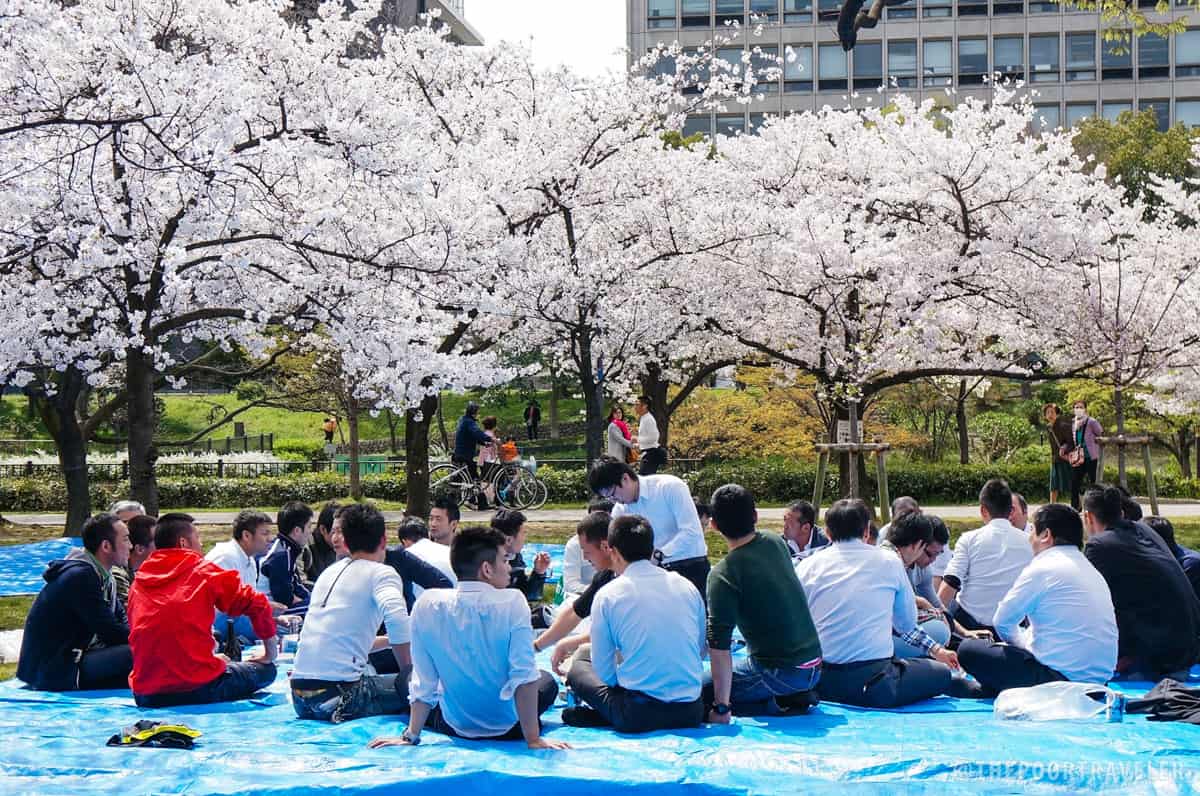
[(1125, 20), (996, 436)]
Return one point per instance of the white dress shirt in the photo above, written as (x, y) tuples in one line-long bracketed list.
[(987, 562), (1072, 626), (665, 501), (647, 432), (435, 555), (349, 601), (857, 594), (472, 647), (655, 621), (577, 572), (230, 555)]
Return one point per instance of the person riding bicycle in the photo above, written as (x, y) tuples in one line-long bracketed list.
[(467, 437)]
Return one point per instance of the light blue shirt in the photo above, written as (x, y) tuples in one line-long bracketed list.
[(654, 619), (665, 501)]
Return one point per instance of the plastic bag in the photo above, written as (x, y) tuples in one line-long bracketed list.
[(1061, 700)]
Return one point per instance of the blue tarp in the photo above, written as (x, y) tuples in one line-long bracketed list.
[(22, 565)]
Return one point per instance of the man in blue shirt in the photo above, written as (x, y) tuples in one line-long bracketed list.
[(467, 437)]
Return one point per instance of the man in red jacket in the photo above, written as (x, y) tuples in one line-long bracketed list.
[(172, 602)]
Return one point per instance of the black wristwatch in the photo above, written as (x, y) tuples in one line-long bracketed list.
[(413, 740), (721, 709)]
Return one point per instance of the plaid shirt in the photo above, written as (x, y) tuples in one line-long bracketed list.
[(918, 638)]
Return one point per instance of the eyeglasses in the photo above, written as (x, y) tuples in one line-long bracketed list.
[(608, 492)]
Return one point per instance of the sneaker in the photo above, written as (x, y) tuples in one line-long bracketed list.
[(963, 687), (847, 34), (583, 716)]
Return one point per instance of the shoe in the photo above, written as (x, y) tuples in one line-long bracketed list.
[(963, 687), (583, 717), (847, 34), (864, 20), (798, 704)]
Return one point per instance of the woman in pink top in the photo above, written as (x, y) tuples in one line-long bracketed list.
[(617, 416)]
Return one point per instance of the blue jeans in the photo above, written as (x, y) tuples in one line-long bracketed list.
[(240, 681), (754, 688), (241, 626), (938, 630), (370, 695)]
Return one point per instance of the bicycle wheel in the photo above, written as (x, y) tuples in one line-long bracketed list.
[(452, 481), (531, 493), (504, 482)]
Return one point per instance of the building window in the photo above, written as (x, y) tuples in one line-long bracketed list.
[(1007, 7), (1162, 112), (972, 62), (1043, 7), (1153, 57), (798, 69), (1077, 112), (757, 120), (698, 73), (697, 124), (764, 10), (696, 13), (1187, 112), (1008, 52), (939, 70), (1043, 59), (936, 8), (664, 67), (763, 60), (1187, 53), (731, 124), (972, 8), (1045, 118), (797, 11), (1116, 65), (731, 64), (660, 14), (828, 9), (1112, 110), (906, 11), (832, 68), (1081, 56), (902, 63), (868, 65), (731, 11)]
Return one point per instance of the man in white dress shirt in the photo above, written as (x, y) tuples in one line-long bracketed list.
[(653, 455), (1072, 629), (251, 538), (643, 671), (474, 674), (986, 561), (414, 537), (857, 595), (666, 503)]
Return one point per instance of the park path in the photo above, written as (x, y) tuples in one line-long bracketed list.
[(1174, 510)]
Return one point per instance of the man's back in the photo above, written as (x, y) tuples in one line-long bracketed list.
[(986, 563), (655, 620), (1158, 617), (436, 555), (667, 503)]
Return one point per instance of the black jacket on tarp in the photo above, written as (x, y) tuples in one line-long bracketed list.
[(66, 616), (1169, 701)]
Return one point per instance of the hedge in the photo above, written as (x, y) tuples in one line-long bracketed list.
[(771, 482)]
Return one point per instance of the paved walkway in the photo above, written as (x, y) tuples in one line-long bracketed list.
[(1168, 509)]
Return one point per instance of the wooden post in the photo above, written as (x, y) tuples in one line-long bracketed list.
[(1100, 466), (1150, 489), (819, 484), (853, 452), (885, 508), (220, 468)]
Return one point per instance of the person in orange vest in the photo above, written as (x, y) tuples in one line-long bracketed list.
[(329, 426)]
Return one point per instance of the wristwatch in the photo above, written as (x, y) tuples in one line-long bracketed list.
[(410, 739), (721, 709)]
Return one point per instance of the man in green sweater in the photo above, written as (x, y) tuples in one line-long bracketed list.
[(755, 589)]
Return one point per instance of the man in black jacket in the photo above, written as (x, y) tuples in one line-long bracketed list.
[(1158, 616), (76, 634), (531, 583)]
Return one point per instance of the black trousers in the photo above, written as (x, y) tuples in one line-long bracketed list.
[(884, 683), (626, 710), (695, 570), (240, 681), (968, 621), (531, 430), (547, 692), (652, 460), (998, 666), (106, 667), (1080, 477)]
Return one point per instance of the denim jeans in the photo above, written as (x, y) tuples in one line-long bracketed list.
[(938, 630), (754, 688), (241, 626), (240, 681), (370, 695)]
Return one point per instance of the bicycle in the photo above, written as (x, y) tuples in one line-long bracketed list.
[(517, 486), (455, 481)]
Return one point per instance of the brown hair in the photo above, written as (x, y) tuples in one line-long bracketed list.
[(489, 422), (1057, 409)]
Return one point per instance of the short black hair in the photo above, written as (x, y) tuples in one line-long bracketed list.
[(1161, 526), (1131, 509), (170, 528), (847, 519), (508, 521), (99, 529), (644, 400), (996, 497), (328, 512), (632, 537), (909, 529), (607, 473), (1021, 501), (594, 527), (804, 510), (1105, 503), (733, 511), (363, 528), (702, 508), (448, 505), (941, 534), (472, 546), (294, 514), (141, 530), (412, 529), (248, 520), (600, 505), (1064, 524)]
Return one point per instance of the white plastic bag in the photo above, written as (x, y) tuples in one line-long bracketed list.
[(1060, 700)]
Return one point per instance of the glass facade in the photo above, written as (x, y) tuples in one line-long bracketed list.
[(938, 64), (798, 69), (972, 62), (831, 64), (902, 63), (868, 66)]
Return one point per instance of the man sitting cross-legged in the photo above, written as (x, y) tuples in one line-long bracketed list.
[(474, 674), (1072, 630), (279, 577), (172, 603), (643, 671), (76, 635), (754, 589), (349, 600), (251, 538), (858, 594)]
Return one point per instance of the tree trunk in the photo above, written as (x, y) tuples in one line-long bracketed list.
[(355, 476), (139, 384), (592, 403), (554, 433), (1184, 442), (1119, 411), (960, 417), (654, 387), (393, 422), (441, 418), (416, 455), (59, 418)]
